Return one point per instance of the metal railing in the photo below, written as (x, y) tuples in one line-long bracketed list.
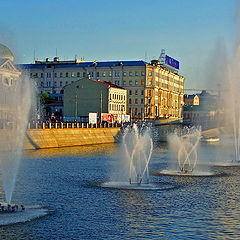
[(61, 125)]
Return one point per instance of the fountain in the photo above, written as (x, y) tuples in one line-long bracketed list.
[(229, 153), (15, 104), (184, 147), (137, 147)]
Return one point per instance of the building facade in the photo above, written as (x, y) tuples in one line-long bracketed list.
[(153, 90), (8, 82), (192, 99), (87, 95), (200, 115)]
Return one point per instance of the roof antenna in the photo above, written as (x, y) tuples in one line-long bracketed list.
[(34, 55)]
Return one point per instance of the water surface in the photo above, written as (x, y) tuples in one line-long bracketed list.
[(67, 182)]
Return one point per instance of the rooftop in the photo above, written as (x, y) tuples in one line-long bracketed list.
[(109, 84)]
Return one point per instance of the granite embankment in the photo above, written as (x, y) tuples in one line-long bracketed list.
[(55, 138)]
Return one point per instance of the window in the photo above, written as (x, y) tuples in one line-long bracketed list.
[(124, 82), (66, 74), (61, 74), (136, 101), (104, 74), (142, 92), (41, 84), (136, 111), (55, 84), (130, 82), (84, 74), (136, 73), (142, 73), (78, 74), (136, 82), (110, 74), (130, 101), (124, 74), (130, 73), (72, 74), (55, 75), (60, 84), (150, 73), (136, 92), (41, 75), (130, 92), (142, 101), (66, 83), (97, 74), (142, 82), (48, 75)]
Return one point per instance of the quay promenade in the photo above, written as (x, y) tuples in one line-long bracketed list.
[(53, 135)]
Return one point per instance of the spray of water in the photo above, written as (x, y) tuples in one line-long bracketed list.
[(13, 127), (137, 146), (184, 147)]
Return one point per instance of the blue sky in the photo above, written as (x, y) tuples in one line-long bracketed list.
[(121, 30)]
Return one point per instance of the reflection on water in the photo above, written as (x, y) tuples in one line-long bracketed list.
[(67, 182), (138, 208), (227, 193), (78, 151)]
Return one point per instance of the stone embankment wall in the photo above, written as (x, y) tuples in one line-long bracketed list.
[(68, 137)]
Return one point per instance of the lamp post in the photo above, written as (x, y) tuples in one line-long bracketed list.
[(76, 103)]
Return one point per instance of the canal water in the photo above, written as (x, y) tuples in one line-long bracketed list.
[(67, 181)]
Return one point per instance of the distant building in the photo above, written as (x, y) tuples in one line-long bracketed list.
[(200, 115), (191, 99), (8, 80), (87, 95), (205, 98), (154, 89)]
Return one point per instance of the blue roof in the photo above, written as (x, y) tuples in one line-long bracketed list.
[(84, 64)]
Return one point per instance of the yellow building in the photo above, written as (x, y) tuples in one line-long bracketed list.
[(192, 99), (154, 89)]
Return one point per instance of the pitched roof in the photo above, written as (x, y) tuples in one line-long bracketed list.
[(109, 84)]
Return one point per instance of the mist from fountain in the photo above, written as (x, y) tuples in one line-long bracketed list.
[(131, 171), (138, 147), (12, 131), (184, 148), (232, 106), (229, 83)]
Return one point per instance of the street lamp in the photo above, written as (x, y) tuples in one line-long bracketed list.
[(76, 103)]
